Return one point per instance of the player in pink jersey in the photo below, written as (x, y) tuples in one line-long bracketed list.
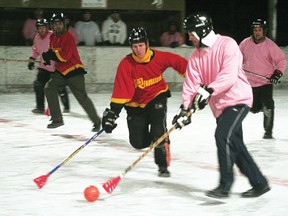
[(215, 76), (264, 63)]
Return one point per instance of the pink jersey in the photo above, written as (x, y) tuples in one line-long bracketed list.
[(29, 29), (166, 39), (263, 59), (40, 45), (220, 68)]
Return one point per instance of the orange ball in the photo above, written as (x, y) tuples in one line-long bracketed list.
[(91, 193)]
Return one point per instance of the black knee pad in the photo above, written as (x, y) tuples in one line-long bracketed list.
[(139, 144)]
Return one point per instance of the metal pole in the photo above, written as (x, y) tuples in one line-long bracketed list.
[(272, 19)]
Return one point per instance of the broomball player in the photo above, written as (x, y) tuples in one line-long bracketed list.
[(215, 75), (40, 45), (69, 72), (140, 87), (263, 56)]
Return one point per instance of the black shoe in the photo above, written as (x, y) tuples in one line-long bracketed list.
[(66, 110), (217, 193), (256, 191), (96, 126), (55, 124), (267, 136), (38, 111), (163, 172)]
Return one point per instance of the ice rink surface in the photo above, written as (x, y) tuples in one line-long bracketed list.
[(30, 150)]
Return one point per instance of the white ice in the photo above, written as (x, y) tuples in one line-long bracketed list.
[(30, 150)]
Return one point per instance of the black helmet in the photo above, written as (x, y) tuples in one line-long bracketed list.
[(41, 22), (259, 23), (138, 35), (201, 23), (58, 17)]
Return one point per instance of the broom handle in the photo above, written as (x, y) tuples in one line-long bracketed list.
[(15, 60), (153, 146)]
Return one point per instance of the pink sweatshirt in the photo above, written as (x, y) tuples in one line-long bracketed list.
[(220, 68), (29, 29), (263, 59), (166, 39), (39, 46)]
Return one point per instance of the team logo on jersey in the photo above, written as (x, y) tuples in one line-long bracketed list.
[(141, 83)]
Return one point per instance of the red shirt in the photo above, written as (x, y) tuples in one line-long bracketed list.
[(66, 51), (136, 84)]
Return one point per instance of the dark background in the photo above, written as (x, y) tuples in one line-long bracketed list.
[(230, 17), (234, 17)]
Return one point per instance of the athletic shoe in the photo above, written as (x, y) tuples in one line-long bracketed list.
[(163, 172), (256, 191), (96, 126), (55, 124), (66, 110), (217, 193), (267, 136), (37, 111)]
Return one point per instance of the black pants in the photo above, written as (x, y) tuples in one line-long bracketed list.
[(148, 124), (77, 86), (231, 149), (263, 101), (43, 76)]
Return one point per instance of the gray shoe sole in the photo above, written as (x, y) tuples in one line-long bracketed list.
[(54, 125)]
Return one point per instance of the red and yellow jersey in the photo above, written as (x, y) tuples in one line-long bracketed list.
[(136, 84), (66, 51)]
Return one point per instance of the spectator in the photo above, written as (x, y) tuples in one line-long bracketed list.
[(29, 28), (172, 37), (69, 72), (114, 30), (264, 58), (40, 45), (71, 29), (88, 31)]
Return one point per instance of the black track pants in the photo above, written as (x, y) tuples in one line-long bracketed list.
[(231, 148), (146, 125)]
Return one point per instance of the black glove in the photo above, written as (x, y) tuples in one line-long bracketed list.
[(202, 97), (31, 64), (275, 77), (108, 120), (49, 55), (46, 59), (181, 118)]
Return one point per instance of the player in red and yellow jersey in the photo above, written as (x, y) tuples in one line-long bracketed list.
[(69, 72), (140, 88)]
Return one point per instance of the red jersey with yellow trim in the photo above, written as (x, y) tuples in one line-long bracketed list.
[(136, 84), (66, 51)]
